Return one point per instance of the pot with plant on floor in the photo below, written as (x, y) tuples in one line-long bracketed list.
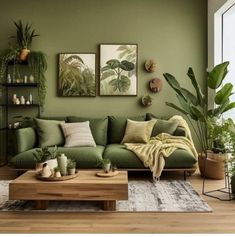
[(194, 105), (71, 167), (24, 37)]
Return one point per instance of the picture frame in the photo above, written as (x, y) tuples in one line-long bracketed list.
[(118, 75), (77, 75)]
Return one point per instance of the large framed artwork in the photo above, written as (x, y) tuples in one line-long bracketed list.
[(118, 69), (77, 75)]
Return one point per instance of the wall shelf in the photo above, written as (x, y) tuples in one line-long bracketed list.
[(20, 84)]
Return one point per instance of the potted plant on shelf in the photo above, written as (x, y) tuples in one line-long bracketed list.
[(44, 155), (194, 105), (71, 166), (24, 37), (146, 100)]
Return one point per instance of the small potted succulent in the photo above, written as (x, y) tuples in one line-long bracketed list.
[(71, 167), (146, 100), (106, 165)]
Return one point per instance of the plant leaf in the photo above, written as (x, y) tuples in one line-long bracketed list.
[(174, 84), (216, 76), (107, 74), (113, 63), (124, 84), (193, 99), (223, 94), (176, 107), (229, 107), (200, 95), (126, 65), (196, 114)]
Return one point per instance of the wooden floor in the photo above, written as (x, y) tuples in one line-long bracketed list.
[(221, 220)]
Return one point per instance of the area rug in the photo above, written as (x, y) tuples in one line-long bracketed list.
[(144, 196)]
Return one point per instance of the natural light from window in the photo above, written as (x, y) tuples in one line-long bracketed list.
[(228, 50)]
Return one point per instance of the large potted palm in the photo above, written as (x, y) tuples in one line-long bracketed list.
[(194, 105)]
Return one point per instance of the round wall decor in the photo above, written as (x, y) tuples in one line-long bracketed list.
[(150, 65), (155, 85)]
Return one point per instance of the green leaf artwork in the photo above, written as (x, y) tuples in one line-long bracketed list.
[(76, 75), (118, 74)]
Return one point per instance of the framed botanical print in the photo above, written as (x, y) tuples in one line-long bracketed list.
[(76, 75), (118, 70)]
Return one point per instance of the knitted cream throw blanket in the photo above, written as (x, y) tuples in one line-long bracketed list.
[(152, 154)]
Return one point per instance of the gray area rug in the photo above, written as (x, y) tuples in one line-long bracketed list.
[(144, 196)]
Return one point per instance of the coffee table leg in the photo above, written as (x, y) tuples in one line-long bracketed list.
[(110, 205), (41, 204)]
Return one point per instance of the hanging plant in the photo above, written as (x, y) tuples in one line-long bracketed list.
[(38, 65)]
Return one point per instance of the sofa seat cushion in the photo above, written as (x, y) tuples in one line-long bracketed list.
[(123, 158), (180, 159), (85, 157)]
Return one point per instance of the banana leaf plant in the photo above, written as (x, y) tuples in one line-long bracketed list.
[(194, 105)]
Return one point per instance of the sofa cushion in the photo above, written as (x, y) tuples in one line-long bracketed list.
[(138, 131), (77, 134), (123, 158), (49, 132), (117, 126), (98, 127), (180, 159), (85, 157), (162, 126)]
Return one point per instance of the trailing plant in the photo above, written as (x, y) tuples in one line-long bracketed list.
[(194, 104), (38, 64), (9, 55), (24, 34), (75, 77)]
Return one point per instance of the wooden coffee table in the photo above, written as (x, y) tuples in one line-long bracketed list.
[(87, 186)]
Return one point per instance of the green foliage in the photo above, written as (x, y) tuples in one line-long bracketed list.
[(57, 169), (75, 77), (24, 34), (194, 104), (38, 64), (44, 153), (24, 121), (71, 164)]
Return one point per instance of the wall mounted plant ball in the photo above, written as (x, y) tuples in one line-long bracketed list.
[(155, 85), (150, 65)]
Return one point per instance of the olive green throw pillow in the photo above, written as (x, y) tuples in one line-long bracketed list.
[(164, 126), (138, 132), (117, 126), (49, 132)]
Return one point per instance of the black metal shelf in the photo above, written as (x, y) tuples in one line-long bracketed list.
[(19, 84), (22, 105)]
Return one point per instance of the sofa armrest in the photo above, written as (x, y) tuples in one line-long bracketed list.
[(180, 131), (25, 139)]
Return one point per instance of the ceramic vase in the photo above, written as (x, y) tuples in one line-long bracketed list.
[(46, 172), (57, 174), (107, 167), (62, 163)]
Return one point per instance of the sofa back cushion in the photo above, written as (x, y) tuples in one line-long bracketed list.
[(99, 127), (162, 126), (117, 127), (49, 132)]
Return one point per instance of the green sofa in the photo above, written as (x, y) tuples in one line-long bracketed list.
[(108, 133)]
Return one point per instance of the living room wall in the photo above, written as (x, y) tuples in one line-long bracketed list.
[(172, 32)]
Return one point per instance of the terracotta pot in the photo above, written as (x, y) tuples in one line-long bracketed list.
[(214, 165), (24, 54)]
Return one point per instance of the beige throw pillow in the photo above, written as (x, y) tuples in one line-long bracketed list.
[(78, 134), (138, 132)]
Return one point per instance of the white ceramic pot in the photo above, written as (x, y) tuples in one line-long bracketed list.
[(106, 167), (53, 163), (57, 174)]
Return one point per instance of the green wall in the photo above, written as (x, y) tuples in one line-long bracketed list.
[(173, 32)]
